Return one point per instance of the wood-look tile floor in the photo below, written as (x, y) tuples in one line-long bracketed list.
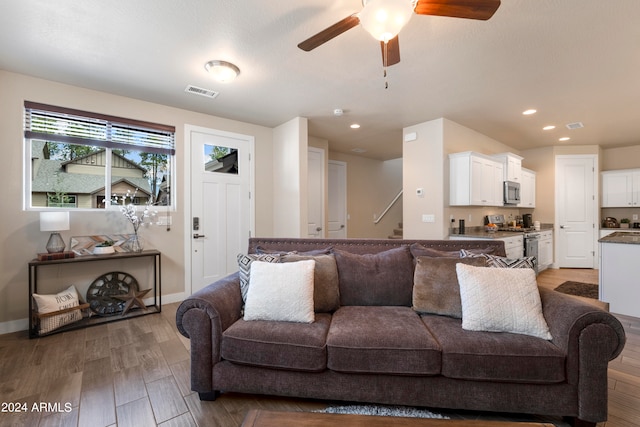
[(136, 373)]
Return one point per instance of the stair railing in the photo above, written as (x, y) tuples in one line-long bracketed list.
[(393, 202)]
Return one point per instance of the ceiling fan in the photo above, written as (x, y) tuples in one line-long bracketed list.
[(384, 19)]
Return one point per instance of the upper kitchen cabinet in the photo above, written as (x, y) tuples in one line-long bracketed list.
[(512, 166), (528, 189), (475, 180), (621, 188)]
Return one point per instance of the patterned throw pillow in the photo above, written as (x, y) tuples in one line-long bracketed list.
[(502, 262), (244, 267)]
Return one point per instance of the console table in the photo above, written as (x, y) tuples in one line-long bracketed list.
[(156, 307)]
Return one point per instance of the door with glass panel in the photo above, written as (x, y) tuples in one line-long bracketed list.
[(221, 203)]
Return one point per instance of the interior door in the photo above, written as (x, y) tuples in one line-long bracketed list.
[(576, 211), (337, 181), (221, 205), (315, 193)]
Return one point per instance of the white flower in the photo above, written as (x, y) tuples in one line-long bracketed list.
[(130, 212)]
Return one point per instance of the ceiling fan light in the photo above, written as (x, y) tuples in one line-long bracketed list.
[(384, 19), (222, 71)]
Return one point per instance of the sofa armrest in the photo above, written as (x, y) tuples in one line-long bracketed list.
[(202, 318), (590, 338)]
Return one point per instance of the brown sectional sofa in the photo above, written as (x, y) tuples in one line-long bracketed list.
[(373, 347)]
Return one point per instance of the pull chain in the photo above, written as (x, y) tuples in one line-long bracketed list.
[(385, 58)]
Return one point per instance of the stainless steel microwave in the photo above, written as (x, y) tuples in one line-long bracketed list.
[(511, 193)]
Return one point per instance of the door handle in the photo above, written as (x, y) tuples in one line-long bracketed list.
[(197, 236), (318, 228)]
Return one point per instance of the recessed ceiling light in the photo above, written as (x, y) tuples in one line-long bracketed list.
[(222, 71), (529, 112), (564, 138), (355, 126), (550, 127)]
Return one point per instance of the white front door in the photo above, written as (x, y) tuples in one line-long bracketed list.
[(576, 211), (220, 219), (337, 179), (315, 193)]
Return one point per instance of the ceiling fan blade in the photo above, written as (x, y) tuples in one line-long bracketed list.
[(469, 9), (392, 53), (327, 34)]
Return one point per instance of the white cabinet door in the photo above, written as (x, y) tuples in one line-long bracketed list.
[(528, 189), (618, 188), (545, 250), (474, 180), (514, 246)]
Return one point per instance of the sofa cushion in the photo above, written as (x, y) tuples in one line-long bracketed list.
[(385, 278), (381, 340), (326, 295), (278, 345), (281, 292), (435, 285), (501, 300), (491, 356)]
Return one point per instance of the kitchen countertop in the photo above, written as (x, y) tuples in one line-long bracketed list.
[(480, 233), (625, 237)]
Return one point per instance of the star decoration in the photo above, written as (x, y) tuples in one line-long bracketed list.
[(132, 298)]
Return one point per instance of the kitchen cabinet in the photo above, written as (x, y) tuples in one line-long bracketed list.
[(621, 188), (619, 270), (513, 245), (512, 166), (545, 250), (475, 180), (528, 189)]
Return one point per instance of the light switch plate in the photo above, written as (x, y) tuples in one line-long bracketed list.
[(428, 218)]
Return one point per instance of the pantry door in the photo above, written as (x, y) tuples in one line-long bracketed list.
[(220, 220), (576, 211)]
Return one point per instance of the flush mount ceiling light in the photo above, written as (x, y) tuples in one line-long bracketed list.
[(564, 138), (355, 126), (222, 71), (529, 112), (550, 127)]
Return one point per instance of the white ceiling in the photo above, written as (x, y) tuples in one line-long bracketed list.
[(572, 60)]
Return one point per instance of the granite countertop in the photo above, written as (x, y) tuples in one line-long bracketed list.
[(481, 233), (626, 237)]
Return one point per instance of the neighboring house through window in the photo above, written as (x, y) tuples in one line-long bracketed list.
[(84, 160)]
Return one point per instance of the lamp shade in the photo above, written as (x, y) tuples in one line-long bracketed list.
[(54, 221), (384, 19)]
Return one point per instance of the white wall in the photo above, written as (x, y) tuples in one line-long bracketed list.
[(290, 145)]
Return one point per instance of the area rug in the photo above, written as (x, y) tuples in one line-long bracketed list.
[(587, 290), (383, 411)]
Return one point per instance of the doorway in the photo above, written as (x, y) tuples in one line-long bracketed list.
[(219, 210), (315, 192)]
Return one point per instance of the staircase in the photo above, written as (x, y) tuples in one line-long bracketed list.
[(397, 232)]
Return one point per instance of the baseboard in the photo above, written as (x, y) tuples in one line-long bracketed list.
[(23, 324)]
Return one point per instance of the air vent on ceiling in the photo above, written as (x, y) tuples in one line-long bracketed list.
[(576, 125), (202, 92)]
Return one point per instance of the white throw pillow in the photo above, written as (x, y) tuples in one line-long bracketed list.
[(501, 300), (281, 291), (50, 303)]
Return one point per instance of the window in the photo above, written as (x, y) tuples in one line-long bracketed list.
[(77, 159)]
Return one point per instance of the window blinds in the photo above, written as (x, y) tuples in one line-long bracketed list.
[(59, 124)]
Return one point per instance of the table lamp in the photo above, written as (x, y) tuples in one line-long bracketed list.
[(55, 222)]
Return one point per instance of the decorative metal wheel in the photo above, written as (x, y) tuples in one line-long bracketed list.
[(101, 291)]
